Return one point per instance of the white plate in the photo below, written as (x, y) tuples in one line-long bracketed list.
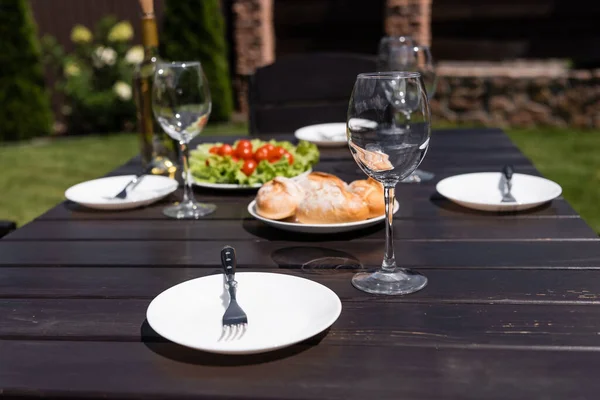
[(318, 228), (92, 193), (234, 186), (480, 191), (282, 310), (335, 134)]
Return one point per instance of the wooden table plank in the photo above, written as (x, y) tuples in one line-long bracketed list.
[(419, 254), (419, 208), (489, 286), (252, 229), (164, 370), (510, 311), (371, 322)]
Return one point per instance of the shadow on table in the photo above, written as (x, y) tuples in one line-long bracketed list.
[(273, 234), (453, 208), (175, 352), (315, 260)]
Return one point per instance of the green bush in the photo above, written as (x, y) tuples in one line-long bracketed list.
[(195, 30), (24, 104), (95, 78)]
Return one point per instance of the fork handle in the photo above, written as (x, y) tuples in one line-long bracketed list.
[(228, 262)]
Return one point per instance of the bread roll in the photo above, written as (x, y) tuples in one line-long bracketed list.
[(318, 180), (278, 199), (331, 204), (371, 192)]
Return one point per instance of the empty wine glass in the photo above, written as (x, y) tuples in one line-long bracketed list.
[(181, 103), (388, 127), (403, 53)]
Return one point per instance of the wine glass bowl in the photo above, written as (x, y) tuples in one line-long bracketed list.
[(388, 128), (181, 104), (403, 53)]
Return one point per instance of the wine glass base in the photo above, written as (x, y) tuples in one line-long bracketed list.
[(418, 176), (189, 210), (401, 281)]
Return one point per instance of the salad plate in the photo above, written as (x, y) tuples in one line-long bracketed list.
[(235, 186), (248, 164), (318, 228)]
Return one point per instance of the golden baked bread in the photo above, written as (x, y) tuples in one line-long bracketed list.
[(331, 204), (371, 192), (317, 180), (278, 199)]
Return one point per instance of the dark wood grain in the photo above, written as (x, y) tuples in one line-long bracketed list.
[(487, 286), (359, 323), (319, 93), (235, 208), (511, 309), (419, 254), (252, 229), (164, 370)]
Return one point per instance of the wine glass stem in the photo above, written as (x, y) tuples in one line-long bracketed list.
[(389, 260), (188, 194)]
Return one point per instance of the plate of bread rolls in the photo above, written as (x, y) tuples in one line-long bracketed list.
[(319, 203)]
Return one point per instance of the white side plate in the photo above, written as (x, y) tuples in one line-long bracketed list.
[(480, 191), (318, 228), (324, 135), (94, 193), (282, 310)]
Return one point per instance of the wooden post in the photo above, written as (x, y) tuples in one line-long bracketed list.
[(254, 41)]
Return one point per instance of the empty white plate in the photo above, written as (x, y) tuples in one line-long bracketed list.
[(481, 191), (324, 135), (96, 193), (318, 228), (282, 310)]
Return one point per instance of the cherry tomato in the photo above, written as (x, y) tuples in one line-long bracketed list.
[(226, 150), (289, 157), (234, 158), (244, 153), (261, 154), (269, 146), (214, 150), (243, 144), (276, 153), (249, 167)]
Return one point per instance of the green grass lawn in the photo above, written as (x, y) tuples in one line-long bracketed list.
[(35, 174)]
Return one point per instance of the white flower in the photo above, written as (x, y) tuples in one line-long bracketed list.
[(122, 90), (135, 55), (104, 56)]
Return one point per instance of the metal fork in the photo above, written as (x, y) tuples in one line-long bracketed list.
[(235, 320), (131, 184)]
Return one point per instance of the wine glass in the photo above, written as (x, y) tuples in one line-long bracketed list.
[(388, 128), (403, 53), (181, 103)]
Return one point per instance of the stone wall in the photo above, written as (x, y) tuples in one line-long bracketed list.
[(517, 96)]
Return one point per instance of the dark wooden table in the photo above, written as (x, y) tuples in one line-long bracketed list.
[(510, 312)]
